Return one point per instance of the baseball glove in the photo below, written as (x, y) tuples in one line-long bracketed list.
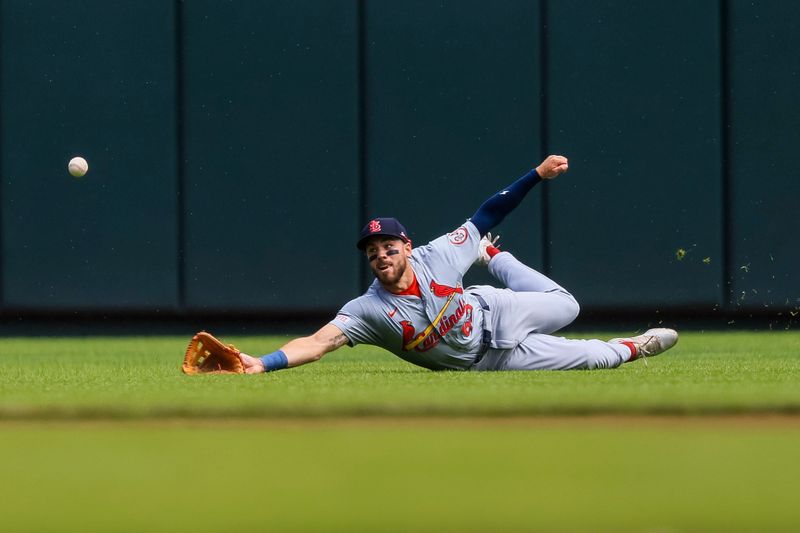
[(207, 355)]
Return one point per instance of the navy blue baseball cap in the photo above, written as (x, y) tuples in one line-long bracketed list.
[(389, 227)]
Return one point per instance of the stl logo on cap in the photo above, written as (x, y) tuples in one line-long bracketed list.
[(374, 226)]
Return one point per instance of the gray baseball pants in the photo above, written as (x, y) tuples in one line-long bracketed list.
[(522, 317)]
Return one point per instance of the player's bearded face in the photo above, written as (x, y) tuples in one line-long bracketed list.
[(387, 259)]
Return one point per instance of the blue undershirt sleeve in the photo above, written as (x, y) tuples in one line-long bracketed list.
[(495, 209)]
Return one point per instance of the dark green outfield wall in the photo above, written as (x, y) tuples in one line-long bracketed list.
[(270, 167), (95, 78), (764, 177), (236, 148)]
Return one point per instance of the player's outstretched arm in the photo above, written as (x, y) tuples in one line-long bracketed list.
[(297, 351), (495, 209)]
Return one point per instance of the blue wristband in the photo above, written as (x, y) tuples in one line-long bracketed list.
[(274, 361)]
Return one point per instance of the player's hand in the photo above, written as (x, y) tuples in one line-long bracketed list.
[(552, 166), (252, 365)]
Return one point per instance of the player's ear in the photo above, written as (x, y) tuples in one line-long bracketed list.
[(407, 246)]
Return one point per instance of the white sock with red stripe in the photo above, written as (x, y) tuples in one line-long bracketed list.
[(632, 348)]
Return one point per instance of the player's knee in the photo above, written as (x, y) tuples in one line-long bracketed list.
[(576, 309), (571, 308)]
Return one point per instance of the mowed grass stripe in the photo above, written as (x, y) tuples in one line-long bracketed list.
[(138, 377)]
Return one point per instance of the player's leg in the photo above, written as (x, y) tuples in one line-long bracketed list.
[(534, 303), (515, 315), (519, 277), (547, 352)]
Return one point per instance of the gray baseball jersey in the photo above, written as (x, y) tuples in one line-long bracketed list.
[(441, 330)]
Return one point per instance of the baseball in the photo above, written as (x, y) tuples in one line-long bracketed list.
[(78, 166)]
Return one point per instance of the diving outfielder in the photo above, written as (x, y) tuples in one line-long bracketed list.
[(418, 309)]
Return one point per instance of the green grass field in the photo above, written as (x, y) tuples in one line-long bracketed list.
[(101, 434)]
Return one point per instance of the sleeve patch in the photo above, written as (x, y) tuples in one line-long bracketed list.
[(459, 236), (342, 318)]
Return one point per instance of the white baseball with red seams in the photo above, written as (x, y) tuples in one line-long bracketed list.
[(78, 167)]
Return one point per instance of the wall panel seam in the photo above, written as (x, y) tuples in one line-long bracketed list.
[(544, 216), (179, 156), (363, 184), (725, 153), (2, 174)]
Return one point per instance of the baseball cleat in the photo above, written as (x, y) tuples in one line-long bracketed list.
[(483, 254), (651, 342)]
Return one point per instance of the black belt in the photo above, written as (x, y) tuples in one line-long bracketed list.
[(486, 339)]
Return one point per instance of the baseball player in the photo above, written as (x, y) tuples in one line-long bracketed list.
[(418, 309)]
